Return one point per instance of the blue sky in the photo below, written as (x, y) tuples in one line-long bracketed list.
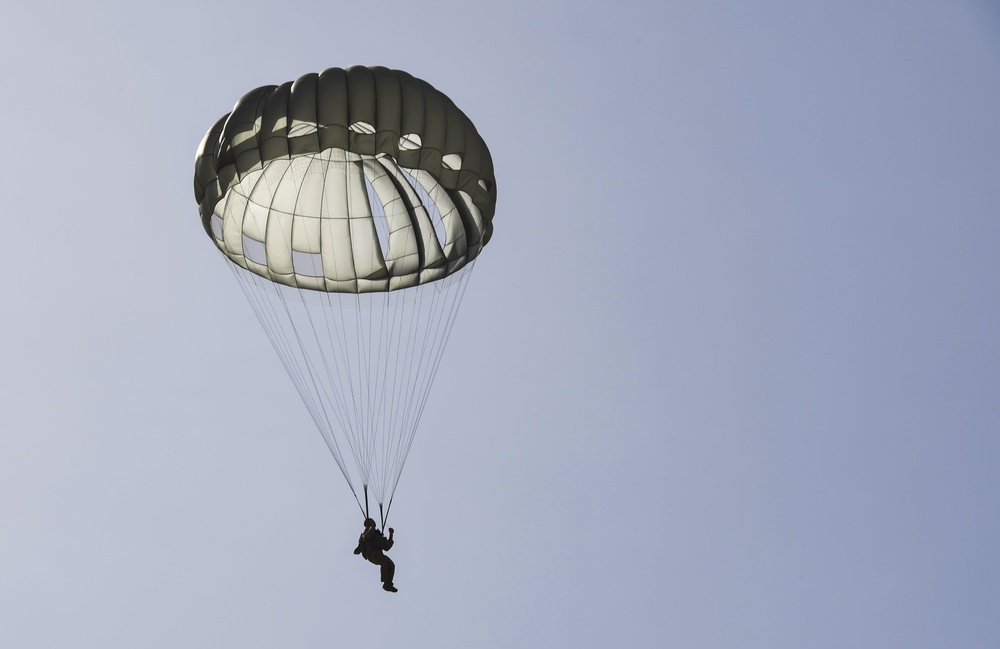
[(728, 369)]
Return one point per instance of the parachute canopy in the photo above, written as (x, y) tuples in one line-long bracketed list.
[(411, 200), (352, 205)]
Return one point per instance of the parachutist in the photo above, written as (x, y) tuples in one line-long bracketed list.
[(371, 545)]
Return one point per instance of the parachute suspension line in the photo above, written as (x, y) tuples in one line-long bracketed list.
[(421, 318), (363, 320), (404, 401), (381, 515), (337, 356), (385, 329), (332, 441), (322, 166), (379, 389), (421, 370), (396, 330), (365, 510), (363, 354), (337, 390), (268, 320), (375, 387), (443, 330), (422, 367), (387, 508), (322, 418), (267, 316), (280, 343), (335, 387), (307, 365), (255, 290), (381, 323), (435, 364), (338, 411), (358, 432), (333, 390)]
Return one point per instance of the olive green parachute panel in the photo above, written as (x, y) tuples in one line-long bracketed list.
[(331, 109), (274, 124), (453, 149), (204, 163), (206, 179), (433, 132), (361, 109), (411, 122), (436, 195), (239, 135), (472, 219), (303, 131), (388, 113)]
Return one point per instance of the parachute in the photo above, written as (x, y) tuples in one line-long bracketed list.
[(351, 206)]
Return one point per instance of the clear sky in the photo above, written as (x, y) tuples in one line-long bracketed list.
[(727, 375)]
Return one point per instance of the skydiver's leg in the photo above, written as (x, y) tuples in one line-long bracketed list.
[(388, 570)]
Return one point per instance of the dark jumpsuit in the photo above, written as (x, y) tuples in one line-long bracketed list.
[(371, 545)]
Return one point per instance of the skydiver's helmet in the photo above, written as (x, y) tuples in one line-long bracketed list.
[(369, 523)]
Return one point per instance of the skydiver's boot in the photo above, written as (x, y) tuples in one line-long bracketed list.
[(389, 587)]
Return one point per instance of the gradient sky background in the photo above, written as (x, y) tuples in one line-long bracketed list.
[(728, 374)]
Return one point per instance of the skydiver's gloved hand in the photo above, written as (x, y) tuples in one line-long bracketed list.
[(391, 532)]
